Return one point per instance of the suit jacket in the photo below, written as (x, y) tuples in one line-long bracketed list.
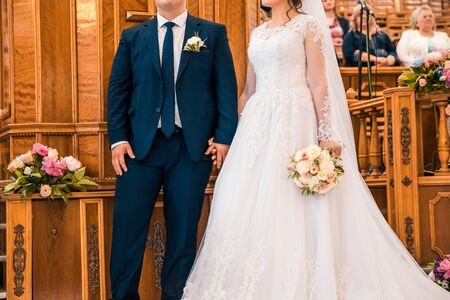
[(206, 89)]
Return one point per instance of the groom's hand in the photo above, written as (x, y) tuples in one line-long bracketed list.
[(118, 157)]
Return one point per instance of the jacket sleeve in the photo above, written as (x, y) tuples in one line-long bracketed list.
[(225, 90), (119, 92)]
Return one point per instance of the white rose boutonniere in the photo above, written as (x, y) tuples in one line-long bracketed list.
[(194, 44)]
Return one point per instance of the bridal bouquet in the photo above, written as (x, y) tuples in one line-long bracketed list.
[(315, 170), (42, 170), (441, 272), (430, 73)]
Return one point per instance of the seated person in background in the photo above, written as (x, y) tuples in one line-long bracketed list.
[(339, 26), (382, 51), (421, 38)]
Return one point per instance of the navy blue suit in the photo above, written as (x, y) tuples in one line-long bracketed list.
[(206, 91)]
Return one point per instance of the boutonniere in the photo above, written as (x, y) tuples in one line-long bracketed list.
[(194, 44)]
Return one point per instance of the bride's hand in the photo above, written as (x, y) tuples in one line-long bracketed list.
[(332, 146)]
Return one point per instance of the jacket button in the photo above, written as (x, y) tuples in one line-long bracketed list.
[(158, 110)]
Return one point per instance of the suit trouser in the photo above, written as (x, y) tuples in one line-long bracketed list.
[(167, 164)]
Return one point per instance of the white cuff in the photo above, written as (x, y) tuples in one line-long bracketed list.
[(117, 144)]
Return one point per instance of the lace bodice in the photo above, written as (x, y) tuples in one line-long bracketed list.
[(291, 57)]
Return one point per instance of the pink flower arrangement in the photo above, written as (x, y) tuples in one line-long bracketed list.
[(434, 57), (441, 272), (429, 73), (42, 170)]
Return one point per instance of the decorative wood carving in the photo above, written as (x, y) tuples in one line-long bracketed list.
[(405, 137), (19, 259), (93, 260), (389, 138), (157, 244), (406, 181), (409, 230)]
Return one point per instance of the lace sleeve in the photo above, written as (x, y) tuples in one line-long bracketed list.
[(317, 78)]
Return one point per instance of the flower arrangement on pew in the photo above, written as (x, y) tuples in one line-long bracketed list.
[(42, 170), (428, 74), (441, 272)]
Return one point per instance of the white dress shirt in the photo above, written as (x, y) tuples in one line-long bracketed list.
[(412, 45), (178, 37)]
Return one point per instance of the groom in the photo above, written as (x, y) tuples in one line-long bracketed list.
[(168, 96)]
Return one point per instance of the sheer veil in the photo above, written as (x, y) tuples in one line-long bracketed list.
[(339, 113)]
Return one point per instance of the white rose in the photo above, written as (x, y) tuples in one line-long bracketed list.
[(72, 163), (194, 40), (302, 167), (431, 275), (27, 171), (46, 190), (314, 181), (53, 153), (322, 175), (298, 155), (313, 152), (325, 155), (443, 78), (327, 166)]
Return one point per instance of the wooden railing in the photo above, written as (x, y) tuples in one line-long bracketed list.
[(391, 133)]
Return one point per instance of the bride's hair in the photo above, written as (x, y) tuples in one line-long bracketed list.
[(295, 5)]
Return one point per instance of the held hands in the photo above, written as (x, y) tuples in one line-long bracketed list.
[(332, 146), (118, 157), (218, 151)]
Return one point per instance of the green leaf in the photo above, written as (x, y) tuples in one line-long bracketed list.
[(86, 181), (78, 175), (37, 175), (66, 199), (11, 187), (56, 191)]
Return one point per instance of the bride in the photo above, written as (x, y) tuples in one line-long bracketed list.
[(265, 240)]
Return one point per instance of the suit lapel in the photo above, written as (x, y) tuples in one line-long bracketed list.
[(193, 25), (150, 32)]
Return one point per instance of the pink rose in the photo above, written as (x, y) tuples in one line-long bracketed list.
[(434, 57), (28, 157), (12, 167), (18, 163), (53, 167), (447, 65), (422, 82), (330, 177), (46, 190), (324, 187), (444, 267), (40, 149)]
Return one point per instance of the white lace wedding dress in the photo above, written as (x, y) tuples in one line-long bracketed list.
[(264, 239)]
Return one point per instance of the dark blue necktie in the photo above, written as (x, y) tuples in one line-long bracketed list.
[(168, 110)]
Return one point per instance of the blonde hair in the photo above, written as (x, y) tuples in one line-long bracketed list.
[(356, 13), (417, 12)]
